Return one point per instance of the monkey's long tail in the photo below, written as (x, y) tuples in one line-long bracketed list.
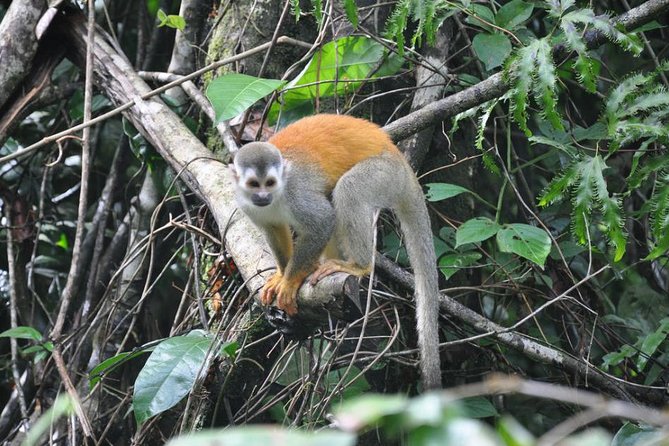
[(415, 224)]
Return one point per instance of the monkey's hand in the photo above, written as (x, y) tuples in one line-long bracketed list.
[(269, 290), (332, 266), (285, 289)]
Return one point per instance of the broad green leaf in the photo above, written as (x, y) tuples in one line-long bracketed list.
[(633, 435), (232, 94), (480, 15), (651, 343), (339, 67), (513, 433), (475, 230), (264, 436), (367, 410), (22, 332), (491, 49), (615, 358), (442, 191), (478, 407), (513, 14), (62, 406), (169, 374), (527, 241), (451, 263)]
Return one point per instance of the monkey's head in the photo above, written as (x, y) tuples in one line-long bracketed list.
[(258, 170)]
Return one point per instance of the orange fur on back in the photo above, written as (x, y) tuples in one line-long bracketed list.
[(334, 142)]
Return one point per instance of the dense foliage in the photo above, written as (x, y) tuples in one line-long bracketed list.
[(127, 319)]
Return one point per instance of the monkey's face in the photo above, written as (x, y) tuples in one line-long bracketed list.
[(258, 170), (261, 189)]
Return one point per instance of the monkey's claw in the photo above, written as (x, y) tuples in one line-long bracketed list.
[(284, 290)]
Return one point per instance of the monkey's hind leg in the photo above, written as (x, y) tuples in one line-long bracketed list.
[(356, 196)]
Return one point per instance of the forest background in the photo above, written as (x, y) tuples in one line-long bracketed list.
[(128, 279)]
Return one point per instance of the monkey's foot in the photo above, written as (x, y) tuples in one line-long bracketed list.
[(332, 266), (285, 290)]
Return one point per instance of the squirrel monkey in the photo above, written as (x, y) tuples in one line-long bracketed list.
[(324, 177)]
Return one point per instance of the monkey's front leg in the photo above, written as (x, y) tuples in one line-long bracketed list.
[(315, 217)]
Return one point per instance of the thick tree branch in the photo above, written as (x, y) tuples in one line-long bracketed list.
[(205, 175)]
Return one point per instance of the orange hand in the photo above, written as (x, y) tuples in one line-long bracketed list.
[(268, 291), (285, 291)]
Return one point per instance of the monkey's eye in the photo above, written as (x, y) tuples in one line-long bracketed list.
[(270, 183), (253, 183)]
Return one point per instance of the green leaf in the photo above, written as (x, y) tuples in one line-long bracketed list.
[(527, 241), (559, 186), (545, 85), (318, 12), (22, 332), (338, 68), (484, 13), (491, 49), (443, 191), (169, 374), (632, 435), (368, 410), (611, 209), (651, 343), (109, 364), (231, 349), (171, 21), (451, 263), (513, 433), (475, 230), (478, 407), (295, 5), (232, 94), (62, 406), (513, 14), (615, 358), (351, 12), (264, 435)]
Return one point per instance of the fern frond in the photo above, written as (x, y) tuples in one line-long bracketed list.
[(585, 72), (583, 199), (351, 10), (428, 15), (519, 71), (652, 165), (659, 217), (648, 102), (627, 41), (483, 120), (397, 23), (605, 25), (559, 186), (558, 7), (295, 5), (318, 11), (610, 208), (545, 84)]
